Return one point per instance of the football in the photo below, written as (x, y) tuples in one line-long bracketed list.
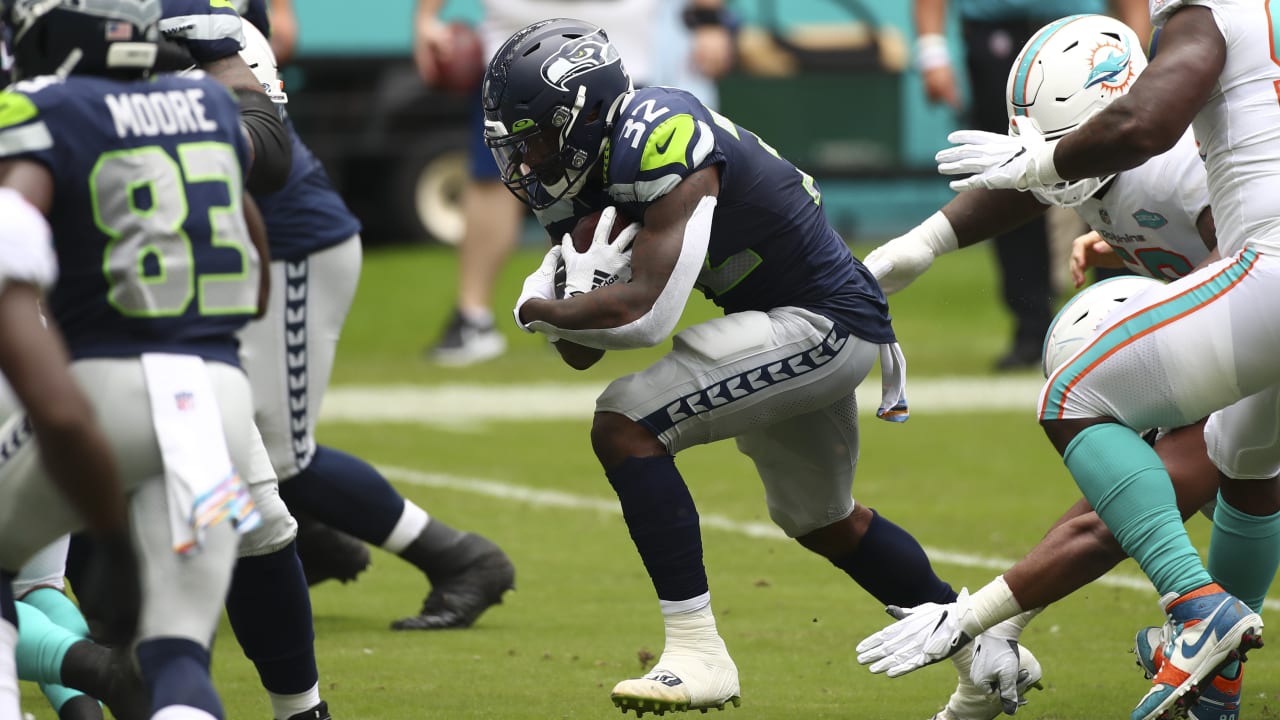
[(1083, 313), (585, 230), (463, 69)]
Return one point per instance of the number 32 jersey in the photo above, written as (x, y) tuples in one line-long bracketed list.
[(147, 215), (771, 244)]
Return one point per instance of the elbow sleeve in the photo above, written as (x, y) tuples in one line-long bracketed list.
[(272, 151)]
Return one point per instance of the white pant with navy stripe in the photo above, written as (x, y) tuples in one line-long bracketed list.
[(782, 383)]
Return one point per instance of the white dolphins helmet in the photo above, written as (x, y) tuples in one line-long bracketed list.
[(1069, 70), (1081, 316), (261, 60)]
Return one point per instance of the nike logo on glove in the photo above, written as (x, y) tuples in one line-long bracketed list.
[(1015, 156)]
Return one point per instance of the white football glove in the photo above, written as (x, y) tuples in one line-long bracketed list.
[(540, 285), (997, 161), (903, 259), (923, 635), (997, 666), (604, 263)]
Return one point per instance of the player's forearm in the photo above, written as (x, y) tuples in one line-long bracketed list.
[(1154, 114), (976, 215), (930, 17), (578, 357), (269, 140)]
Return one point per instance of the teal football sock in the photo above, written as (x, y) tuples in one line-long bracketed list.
[(59, 608), (58, 695), (1244, 553), (1124, 480), (42, 645)]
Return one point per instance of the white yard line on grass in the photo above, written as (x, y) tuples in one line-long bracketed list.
[(463, 405), (558, 499)]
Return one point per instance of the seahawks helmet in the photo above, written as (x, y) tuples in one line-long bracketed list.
[(1069, 70), (551, 94), (88, 37)]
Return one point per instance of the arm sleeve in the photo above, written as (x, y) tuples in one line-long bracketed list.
[(272, 151), (26, 243), (656, 324)]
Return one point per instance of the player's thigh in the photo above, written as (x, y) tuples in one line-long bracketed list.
[(33, 512), (289, 352), (182, 595), (807, 464), (46, 569), (1176, 353), (1243, 439), (741, 372)]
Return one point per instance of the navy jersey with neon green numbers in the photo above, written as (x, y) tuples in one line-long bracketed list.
[(147, 212), (771, 244), (306, 215), (209, 29)]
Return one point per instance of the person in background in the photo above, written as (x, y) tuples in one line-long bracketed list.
[(993, 32), (493, 216)]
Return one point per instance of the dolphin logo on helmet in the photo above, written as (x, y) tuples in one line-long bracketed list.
[(578, 56)]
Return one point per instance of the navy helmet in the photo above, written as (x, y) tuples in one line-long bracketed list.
[(551, 94), (89, 37)]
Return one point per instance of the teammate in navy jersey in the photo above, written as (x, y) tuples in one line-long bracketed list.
[(142, 179), (208, 31), (289, 354), (804, 324)]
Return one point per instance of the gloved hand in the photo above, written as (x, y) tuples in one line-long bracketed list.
[(1017, 162), (903, 259), (997, 666), (540, 285), (604, 262), (922, 636)]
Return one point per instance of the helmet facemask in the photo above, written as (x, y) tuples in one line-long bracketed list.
[(549, 106), (1068, 193)]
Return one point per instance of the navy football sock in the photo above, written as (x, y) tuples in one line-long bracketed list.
[(269, 607), (346, 493), (176, 671), (892, 566), (8, 610), (663, 521)]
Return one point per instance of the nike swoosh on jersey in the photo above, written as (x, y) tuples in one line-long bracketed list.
[(661, 147)]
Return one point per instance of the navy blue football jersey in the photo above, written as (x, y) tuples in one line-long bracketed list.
[(307, 214), (147, 215), (771, 244), (209, 29)]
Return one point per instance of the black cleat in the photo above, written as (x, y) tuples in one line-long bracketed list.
[(108, 675), (327, 553), (458, 599)]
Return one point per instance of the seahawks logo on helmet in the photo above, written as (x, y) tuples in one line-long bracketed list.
[(578, 56)]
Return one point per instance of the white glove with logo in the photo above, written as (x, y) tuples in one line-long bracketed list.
[(997, 666), (1017, 162), (922, 636), (540, 285), (903, 259), (604, 263)]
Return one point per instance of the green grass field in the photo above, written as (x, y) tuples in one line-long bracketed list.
[(981, 486)]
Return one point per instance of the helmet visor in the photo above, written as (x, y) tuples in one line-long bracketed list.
[(533, 164)]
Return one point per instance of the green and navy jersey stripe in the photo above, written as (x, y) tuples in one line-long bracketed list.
[(1137, 326)]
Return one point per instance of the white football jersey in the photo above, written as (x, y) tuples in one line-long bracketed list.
[(1148, 214), (628, 23), (26, 243), (1239, 126)]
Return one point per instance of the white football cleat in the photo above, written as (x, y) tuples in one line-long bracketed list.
[(682, 680)]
